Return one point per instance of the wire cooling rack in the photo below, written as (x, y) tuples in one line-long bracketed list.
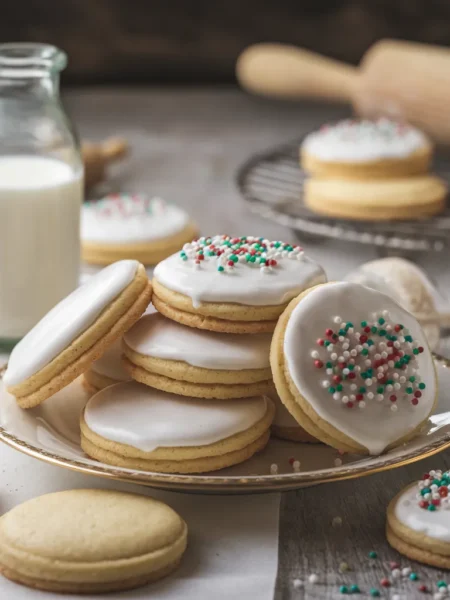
[(272, 185)]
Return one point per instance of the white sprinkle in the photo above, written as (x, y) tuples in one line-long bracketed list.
[(329, 371), (265, 269), (346, 354), (325, 383), (362, 404), (353, 352), (336, 396), (297, 583), (315, 354), (274, 469), (380, 397), (334, 356), (370, 395), (368, 381), (313, 578), (345, 399), (396, 573), (396, 597), (406, 571), (389, 387), (337, 462), (296, 465), (394, 408), (353, 387), (337, 319), (336, 522)]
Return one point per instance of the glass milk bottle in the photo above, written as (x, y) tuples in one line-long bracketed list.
[(41, 189)]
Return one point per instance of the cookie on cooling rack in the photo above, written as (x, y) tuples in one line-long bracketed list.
[(76, 332), (406, 199), (204, 364), (232, 284), (134, 226), (365, 149), (353, 368), (418, 520), (134, 426)]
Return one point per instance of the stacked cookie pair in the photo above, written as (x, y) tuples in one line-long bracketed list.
[(371, 170)]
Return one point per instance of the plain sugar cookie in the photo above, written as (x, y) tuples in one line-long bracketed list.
[(133, 426), (364, 149), (76, 332), (134, 226), (232, 284), (106, 370), (90, 541), (353, 368), (285, 427), (406, 199), (204, 364), (418, 520)]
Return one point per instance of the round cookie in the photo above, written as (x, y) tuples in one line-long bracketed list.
[(133, 426), (285, 427), (353, 368), (132, 226), (391, 199), (408, 285), (418, 520), (90, 541), (232, 285), (204, 364), (378, 149), (106, 370), (76, 332)]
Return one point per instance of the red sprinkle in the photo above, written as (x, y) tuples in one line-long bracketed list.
[(414, 401), (320, 342), (385, 582), (394, 565), (423, 504), (351, 375), (436, 502), (291, 460), (422, 588), (393, 398), (418, 394), (443, 492), (318, 364), (328, 332)]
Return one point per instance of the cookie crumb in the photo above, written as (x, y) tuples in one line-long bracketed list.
[(336, 521)]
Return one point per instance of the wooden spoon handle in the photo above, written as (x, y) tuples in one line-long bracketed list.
[(289, 72)]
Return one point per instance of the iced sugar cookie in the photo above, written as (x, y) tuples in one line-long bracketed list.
[(366, 150), (132, 226), (106, 370), (284, 425), (353, 368), (378, 200), (418, 520), (232, 284), (76, 332), (408, 285), (171, 357), (131, 425), (90, 541)]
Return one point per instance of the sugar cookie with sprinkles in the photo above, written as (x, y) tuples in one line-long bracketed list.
[(353, 368), (203, 364), (353, 149), (418, 520), (232, 284), (132, 226)]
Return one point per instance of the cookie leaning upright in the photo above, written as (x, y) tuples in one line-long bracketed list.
[(353, 368), (366, 150), (76, 332), (418, 520), (232, 284)]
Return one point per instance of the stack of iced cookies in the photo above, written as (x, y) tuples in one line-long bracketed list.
[(371, 170)]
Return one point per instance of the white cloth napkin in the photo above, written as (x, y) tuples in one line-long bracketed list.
[(233, 540)]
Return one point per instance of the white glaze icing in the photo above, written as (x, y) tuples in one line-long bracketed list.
[(67, 320), (128, 219), (134, 414), (110, 363), (154, 335), (360, 141), (246, 283), (376, 426), (434, 524)]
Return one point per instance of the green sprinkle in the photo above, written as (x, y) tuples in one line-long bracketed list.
[(373, 329), (342, 332), (414, 576), (350, 367), (343, 589), (363, 323), (326, 343), (412, 379), (424, 491), (422, 386), (355, 589), (374, 593), (431, 507), (331, 390), (329, 365), (349, 324), (373, 554), (339, 388), (362, 390), (220, 268), (408, 338), (416, 351), (234, 258), (441, 584), (380, 390), (409, 390), (370, 342), (381, 321), (365, 352)]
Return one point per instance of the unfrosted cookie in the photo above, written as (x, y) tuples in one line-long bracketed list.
[(408, 285), (284, 425), (377, 200), (353, 368), (171, 357), (90, 541), (131, 425), (232, 284), (418, 520), (106, 370), (132, 226), (76, 332), (366, 150)]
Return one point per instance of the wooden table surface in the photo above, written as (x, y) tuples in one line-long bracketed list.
[(186, 148)]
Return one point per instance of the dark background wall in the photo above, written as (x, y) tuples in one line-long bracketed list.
[(146, 41)]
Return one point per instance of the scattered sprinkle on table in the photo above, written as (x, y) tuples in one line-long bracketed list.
[(396, 573), (298, 583), (373, 554), (336, 522), (414, 576), (343, 567), (423, 588), (406, 571), (355, 589), (385, 582), (313, 578), (343, 589), (273, 469), (374, 593)]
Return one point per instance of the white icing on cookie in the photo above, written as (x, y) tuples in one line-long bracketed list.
[(130, 219), (110, 363), (434, 524), (229, 272), (154, 335), (139, 416), (381, 416), (360, 141), (67, 320)]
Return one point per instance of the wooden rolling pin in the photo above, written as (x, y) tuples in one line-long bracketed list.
[(403, 80), (97, 157)]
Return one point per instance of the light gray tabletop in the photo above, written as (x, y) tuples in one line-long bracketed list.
[(186, 148)]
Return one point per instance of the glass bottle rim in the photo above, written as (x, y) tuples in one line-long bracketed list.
[(26, 55)]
